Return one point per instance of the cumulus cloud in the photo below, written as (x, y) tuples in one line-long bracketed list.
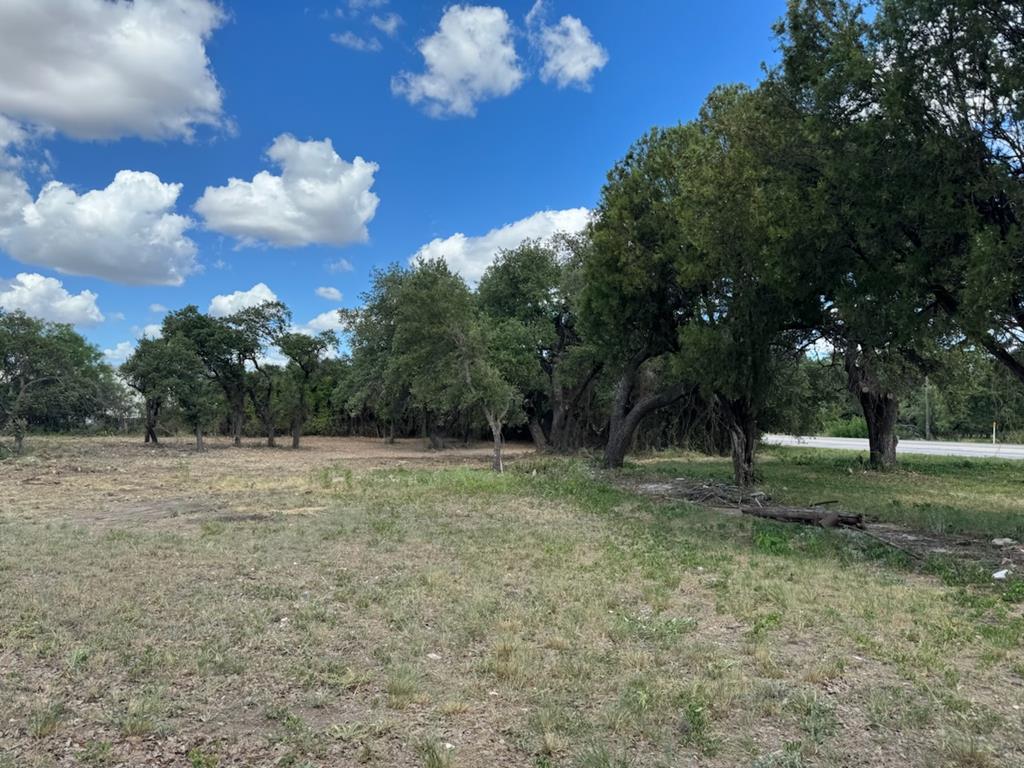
[(341, 265), (325, 321), (96, 69), (471, 57), (470, 256), (119, 352), (329, 293), (571, 56), (157, 309), (126, 232), (318, 198), (227, 304), (387, 24), (355, 42), (46, 298), (151, 331)]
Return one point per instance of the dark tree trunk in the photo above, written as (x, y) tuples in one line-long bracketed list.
[(566, 402), (626, 416), (296, 433), (237, 416), (741, 425), (540, 440), (152, 412), (271, 436), (880, 408), (19, 442), (199, 439)]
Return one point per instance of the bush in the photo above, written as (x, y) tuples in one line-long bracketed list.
[(855, 426)]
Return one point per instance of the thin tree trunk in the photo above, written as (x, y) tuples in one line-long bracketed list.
[(496, 461), (199, 439), (271, 436), (296, 433), (880, 408), (564, 406)]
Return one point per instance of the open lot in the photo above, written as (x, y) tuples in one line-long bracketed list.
[(355, 603)]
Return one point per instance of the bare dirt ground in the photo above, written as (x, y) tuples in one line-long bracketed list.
[(112, 481)]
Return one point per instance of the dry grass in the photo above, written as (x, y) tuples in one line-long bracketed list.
[(355, 603)]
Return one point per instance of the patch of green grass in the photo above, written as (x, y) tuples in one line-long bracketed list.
[(937, 494)]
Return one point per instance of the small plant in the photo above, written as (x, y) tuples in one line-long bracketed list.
[(435, 755), (403, 687), (44, 720), (197, 758)]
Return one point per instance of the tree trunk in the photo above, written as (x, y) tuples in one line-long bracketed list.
[(496, 462), (880, 408), (271, 436), (199, 439), (296, 432), (540, 440), (19, 443), (625, 418), (742, 427), (565, 404), (152, 412), (237, 417)]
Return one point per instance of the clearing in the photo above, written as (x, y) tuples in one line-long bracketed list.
[(354, 603)]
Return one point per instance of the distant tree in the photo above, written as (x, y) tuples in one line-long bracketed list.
[(149, 371), (530, 292), (191, 388), (49, 374), (305, 354), (442, 351), (375, 384)]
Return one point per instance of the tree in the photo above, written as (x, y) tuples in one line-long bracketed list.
[(305, 354), (632, 302), (226, 345), (258, 328), (149, 371), (442, 351), (376, 385), (190, 386), (533, 290), (49, 375)]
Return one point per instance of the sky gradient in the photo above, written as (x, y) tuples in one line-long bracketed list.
[(121, 126)]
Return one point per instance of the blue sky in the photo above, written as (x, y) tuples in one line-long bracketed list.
[(467, 140)]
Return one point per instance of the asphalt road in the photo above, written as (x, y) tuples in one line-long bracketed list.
[(928, 447)]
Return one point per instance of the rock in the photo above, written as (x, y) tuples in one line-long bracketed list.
[(1001, 575), (1003, 542)]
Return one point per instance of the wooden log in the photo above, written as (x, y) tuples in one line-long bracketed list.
[(822, 517)]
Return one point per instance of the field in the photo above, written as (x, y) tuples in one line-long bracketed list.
[(355, 603)]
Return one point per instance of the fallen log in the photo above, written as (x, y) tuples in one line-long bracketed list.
[(820, 517)]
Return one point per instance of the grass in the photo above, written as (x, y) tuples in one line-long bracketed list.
[(440, 615), (936, 494)]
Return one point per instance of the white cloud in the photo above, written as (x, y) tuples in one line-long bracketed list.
[(329, 293), (470, 58), (318, 198), (355, 42), (120, 352), (341, 265), (151, 331), (227, 304), (46, 298), (387, 24), (325, 321), (571, 56), (96, 69), (126, 232), (359, 5), (157, 309), (470, 256)]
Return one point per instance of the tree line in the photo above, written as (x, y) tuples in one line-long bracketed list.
[(852, 223)]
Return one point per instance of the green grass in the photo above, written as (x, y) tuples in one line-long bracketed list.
[(931, 493), (452, 617)]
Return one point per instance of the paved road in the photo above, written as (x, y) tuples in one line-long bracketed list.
[(929, 447)]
